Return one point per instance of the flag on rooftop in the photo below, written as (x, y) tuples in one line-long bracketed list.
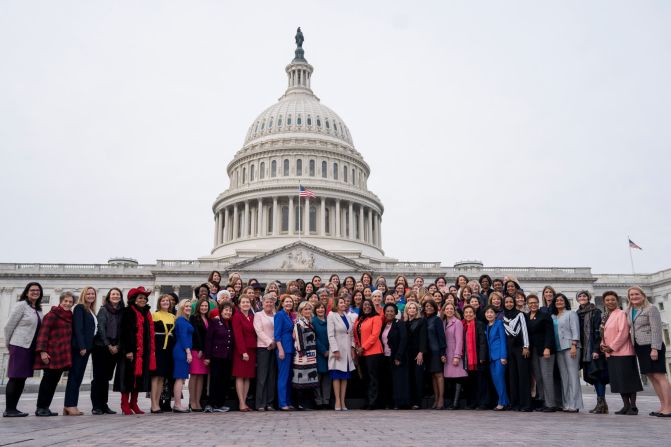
[(632, 244), (303, 192)]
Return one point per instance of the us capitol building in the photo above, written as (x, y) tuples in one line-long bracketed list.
[(263, 230)]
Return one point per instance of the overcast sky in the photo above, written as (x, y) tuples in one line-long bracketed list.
[(518, 133)]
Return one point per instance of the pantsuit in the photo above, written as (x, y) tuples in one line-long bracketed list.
[(266, 372), (519, 378), (498, 373), (104, 363), (220, 376), (284, 379), (371, 367), (543, 371), (416, 382), (323, 391), (48, 384), (569, 370), (75, 378)]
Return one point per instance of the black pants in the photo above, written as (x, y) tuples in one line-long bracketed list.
[(75, 378), (104, 363), (50, 379), (394, 384), (220, 375), (416, 373), (519, 378), (13, 392), (371, 366), (477, 389)]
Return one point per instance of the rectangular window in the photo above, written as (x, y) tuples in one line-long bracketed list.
[(335, 171), (312, 168), (299, 167), (285, 219), (324, 169), (262, 170)]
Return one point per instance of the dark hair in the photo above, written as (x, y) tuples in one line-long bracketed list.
[(372, 313), (553, 307), (487, 277), (512, 298), (611, 293), (488, 307), (107, 297), (505, 286), (196, 290), (456, 281), (317, 305), (495, 280), (532, 295), (345, 281), (252, 281), (370, 276), (468, 306), (199, 303), (316, 276), (214, 284), (362, 297), (391, 305), (440, 277), (431, 303), (24, 295), (223, 305), (335, 275), (210, 278)]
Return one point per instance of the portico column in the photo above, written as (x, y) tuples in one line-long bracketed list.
[(275, 223), (235, 222), (337, 218), (216, 229), (226, 226), (370, 225), (245, 228), (351, 220), (259, 218), (322, 220), (306, 216), (379, 231), (361, 211), (292, 222)]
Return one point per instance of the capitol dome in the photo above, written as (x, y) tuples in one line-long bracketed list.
[(298, 141)]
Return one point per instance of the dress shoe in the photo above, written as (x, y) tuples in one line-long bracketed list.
[(97, 412), (108, 410), (14, 414), (71, 411), (44, 412)]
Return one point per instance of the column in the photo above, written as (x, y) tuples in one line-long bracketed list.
[(322, 220), (246, 219), (292, 214), (275, 223), (379, 231), (351, 220), (259, 218), (361, 211), (370, 226), (224, 237), (306, 217), (252, 221), (216, 229), (236, 222), (336, 218)]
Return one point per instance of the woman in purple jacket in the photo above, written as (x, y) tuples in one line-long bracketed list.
[(218, 355), (454, 370)]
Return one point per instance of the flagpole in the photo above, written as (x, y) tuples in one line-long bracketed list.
[(631, 256), (299, 211)]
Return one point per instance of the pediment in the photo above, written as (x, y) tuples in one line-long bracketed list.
[(298, 257)]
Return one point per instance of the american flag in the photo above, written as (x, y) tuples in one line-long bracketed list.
[(632, 244), (302, 192)]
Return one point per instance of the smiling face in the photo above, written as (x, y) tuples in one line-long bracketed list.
[(520, 300), (583, 299), (636, 298), (509, 303), (306, 312), (203, 292), (226, 313), (320, 311), (448, 310), (67, 303), (490, 315), (610, 303), (90, 296), (411, 309), (141, 300), (204, 308), (164, 303), (484, 282), (342, 305), (548, 296), (389, 314), (366, 308), (33, 294), (475, 302), (187, 308), (469, 315), (245, 304), (466, 294), (560, 304), (532, 302), (496, 301), (288, 304), (115, 297)]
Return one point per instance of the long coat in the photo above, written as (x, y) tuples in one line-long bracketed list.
[(322, 344), (454, 336), (340, 339), (126, 380), (54, 338)]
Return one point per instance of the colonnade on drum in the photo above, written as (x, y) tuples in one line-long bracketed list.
[(323, 217)]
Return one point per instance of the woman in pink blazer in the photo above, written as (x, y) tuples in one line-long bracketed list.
[(454, 369), (620, 355)]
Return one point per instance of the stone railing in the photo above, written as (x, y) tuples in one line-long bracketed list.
[(68, 267)]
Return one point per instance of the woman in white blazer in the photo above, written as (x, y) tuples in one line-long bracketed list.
[(341, 350), (21, 337), (567, 337)]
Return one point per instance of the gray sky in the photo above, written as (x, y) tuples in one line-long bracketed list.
[(517, 133)]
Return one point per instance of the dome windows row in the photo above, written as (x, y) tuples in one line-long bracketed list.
[(308, 168), (331, 126)]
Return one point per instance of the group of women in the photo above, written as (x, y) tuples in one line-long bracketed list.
[(480, 344)]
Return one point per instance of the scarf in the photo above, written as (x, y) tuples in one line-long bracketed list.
[(112, 324), (471, 342), (586, 312), (139, 353), (510, 314)]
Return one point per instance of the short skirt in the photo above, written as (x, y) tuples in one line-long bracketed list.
[(198, 365), (623, 372), (645, 363), (434, 364), (20, 364), (339, 375)]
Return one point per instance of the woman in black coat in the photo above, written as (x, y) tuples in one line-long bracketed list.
[(416, 347), (543, 347), (476, 358), (592, 361), (395, 362)]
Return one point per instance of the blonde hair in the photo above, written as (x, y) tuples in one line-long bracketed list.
[(495, 293), (181, 306), (160, 298), (82, 298), (405, 311), (456, 314), (646, 302), (303, 305)]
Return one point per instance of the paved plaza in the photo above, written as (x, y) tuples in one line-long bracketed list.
[(329, 428)]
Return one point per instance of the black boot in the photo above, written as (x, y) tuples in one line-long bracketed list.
[(457, 394)]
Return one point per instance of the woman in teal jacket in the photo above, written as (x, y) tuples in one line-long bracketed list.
[(323, 391), (498, 356)]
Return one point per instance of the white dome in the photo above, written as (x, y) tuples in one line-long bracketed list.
[(299, 112)]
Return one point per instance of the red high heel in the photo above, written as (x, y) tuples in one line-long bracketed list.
[(125, 407), (133, 403)]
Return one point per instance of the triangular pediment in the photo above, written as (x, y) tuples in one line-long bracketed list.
[(299, 257)]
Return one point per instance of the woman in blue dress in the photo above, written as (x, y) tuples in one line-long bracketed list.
[(498, 355), (181, 353)]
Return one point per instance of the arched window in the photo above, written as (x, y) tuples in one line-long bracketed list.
[(252, 173), (269, 213), (273, 168), (335, 127), (309, 120), (262, 170), (324, 169), (270, 123), (285, 219), (326, 121), (299, 121), (244, 175), (335, 171), (256, 129), (289, 120), (319, 122), (353, 176), (299, 167), (285, 168), (313, 219), (279, 121), (263, 124), (344, 173), (327, 220), (312, 168)]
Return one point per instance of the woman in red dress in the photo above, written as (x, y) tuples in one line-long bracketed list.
[(244, 353)]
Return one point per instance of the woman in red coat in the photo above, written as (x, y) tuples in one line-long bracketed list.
[(244, 352), (54, 351)]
